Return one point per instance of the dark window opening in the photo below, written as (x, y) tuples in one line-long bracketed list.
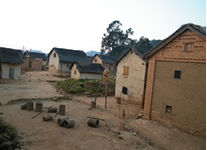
[(30, 64), (177, 74), (168, 109), (54, 55), (75, 72), (124, 90)]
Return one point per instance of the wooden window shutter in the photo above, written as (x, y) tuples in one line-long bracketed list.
[(126, 70)]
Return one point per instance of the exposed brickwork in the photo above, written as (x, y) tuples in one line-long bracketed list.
[(174, 51)]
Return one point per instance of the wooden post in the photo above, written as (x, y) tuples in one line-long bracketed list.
[(106, 92)]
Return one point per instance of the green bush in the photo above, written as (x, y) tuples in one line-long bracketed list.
[(84, 85)]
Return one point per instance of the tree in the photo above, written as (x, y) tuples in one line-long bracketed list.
[(143, 45), (116, 41)]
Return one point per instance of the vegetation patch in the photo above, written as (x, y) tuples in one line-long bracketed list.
[(8, 139), (83, 86)]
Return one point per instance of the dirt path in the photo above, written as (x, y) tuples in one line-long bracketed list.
[(37, 134)]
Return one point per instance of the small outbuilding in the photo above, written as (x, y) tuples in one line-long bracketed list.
[(130, 76), (105, 60), (10, 63), (34, 61), (86, 71)]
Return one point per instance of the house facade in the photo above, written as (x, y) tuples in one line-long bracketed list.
[(34, 61), (61, 59), (176, 80), (130, 76), (86, 71), (106, 61), (10, 63)]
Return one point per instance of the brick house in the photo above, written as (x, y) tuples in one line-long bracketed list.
[(130, 76), (34, 61), (105, 60), (176, 80)]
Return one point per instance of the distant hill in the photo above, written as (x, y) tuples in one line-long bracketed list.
[(92, 53), (36, 51)]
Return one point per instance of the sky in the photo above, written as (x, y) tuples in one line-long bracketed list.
[(80, 24)]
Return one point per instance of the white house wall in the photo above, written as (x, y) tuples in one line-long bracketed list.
[(90, 76), (5, 70), (64, 66), (134, 81), (53, 62), (75, 74)]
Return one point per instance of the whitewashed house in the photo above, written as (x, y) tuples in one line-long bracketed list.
[(86, 71), (10, 63), (130, 76), (61, 59)]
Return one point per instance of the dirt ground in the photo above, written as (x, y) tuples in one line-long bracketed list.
[(36, 134)]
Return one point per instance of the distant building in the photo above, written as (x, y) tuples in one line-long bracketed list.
[(10, 63), (176, 80), (86, 71), (34, 61), (105, 60), (130, 76), (61, 59)]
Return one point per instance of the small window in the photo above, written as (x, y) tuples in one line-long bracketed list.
[(126, 70), (75, 72), (124, 90), (95, 60), (177, 74), (168, 109), (54, 55), (188, 47)]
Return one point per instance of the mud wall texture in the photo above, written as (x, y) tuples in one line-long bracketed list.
[(133, 81), (175, 89)]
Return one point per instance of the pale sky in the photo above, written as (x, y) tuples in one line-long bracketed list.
[(80, 24)]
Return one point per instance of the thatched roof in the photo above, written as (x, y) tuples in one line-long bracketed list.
[(126, 52), (10, 56), (70, 56), (106, 58), (33, 55), (195, 28), (89, 68)]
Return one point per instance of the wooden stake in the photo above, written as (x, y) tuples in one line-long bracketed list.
[(98, 89), (106, 92)]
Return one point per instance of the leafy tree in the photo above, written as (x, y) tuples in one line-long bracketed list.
[(143, 45), (116, 41)]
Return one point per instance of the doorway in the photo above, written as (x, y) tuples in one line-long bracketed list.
[(11, 73)]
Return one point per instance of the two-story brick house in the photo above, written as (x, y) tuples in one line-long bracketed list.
[(176, 80)]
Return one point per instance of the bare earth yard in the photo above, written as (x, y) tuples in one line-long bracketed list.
[(36, 134)]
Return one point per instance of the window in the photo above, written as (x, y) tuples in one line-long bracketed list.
[(188, 47), (95, 60), (177, 74), (124, 90), (54, 55), (126, 70), (75, 72), (168, 109)]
